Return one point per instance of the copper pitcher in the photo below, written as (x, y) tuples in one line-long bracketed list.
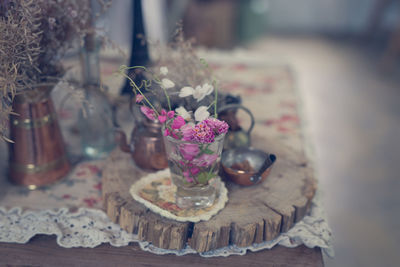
[(38, 156)]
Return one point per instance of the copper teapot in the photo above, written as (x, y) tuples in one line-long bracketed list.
[(146, 144)]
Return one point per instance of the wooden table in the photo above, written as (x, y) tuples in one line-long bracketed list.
[(43, 251)]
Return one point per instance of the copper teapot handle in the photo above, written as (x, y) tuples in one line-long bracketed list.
[(238, 106), (119, 135)]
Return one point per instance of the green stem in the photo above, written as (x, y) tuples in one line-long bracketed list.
[(122, 72), (157, 80), (123, 67), (205, 64), (216, 98), (167, 96), (194, 178), (211, 170), (212, 103)]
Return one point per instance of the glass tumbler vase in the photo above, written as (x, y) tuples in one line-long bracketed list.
[(194, 169)]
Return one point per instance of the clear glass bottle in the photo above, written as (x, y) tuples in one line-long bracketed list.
[(95, 118), (96, 125)]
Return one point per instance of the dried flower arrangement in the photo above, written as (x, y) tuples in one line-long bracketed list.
[(35, 34)]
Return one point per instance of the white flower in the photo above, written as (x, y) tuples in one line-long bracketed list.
[(207, 89), (202, 91), (183, 113), (199, 93), (201, 113), (164, 70), (167, 83), (186, 91)]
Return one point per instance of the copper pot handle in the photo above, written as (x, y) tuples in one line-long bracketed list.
[(121, 140), (238, 106)]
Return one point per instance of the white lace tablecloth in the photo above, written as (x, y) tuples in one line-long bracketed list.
[(71, 209)]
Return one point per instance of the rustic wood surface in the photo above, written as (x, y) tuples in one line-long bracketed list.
[(44, 251), (252, 215)]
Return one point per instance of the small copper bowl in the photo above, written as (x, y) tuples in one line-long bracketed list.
[(247, 166)]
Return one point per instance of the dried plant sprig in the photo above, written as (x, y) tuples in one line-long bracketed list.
[(35, 34), (185, 67), (19, 47)]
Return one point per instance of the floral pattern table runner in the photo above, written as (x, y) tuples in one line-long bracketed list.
[(71, 208)]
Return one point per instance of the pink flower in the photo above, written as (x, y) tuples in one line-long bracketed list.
[(205, 160), (178, 123), (188, 177), (163, 116), (139, 98), (173, 134), (203, 133), (189, 151), (219, 127), (169, 132), (187, 132), (171, 114), (194, 171), (166, 132), (188, 174), (148, 112)]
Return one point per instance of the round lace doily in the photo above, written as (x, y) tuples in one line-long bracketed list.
[(157, 192)]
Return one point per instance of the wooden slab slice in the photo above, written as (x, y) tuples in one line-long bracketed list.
[(253, 214)]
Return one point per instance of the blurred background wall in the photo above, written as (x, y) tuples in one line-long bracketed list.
[(319, 16), (224, 23)]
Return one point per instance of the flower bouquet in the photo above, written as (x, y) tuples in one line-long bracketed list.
[(193, 138)]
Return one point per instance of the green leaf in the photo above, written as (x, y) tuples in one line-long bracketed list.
[(202, 177), (208, 151)]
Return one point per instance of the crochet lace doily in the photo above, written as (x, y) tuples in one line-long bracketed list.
[(164, 193), (90, 228)]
